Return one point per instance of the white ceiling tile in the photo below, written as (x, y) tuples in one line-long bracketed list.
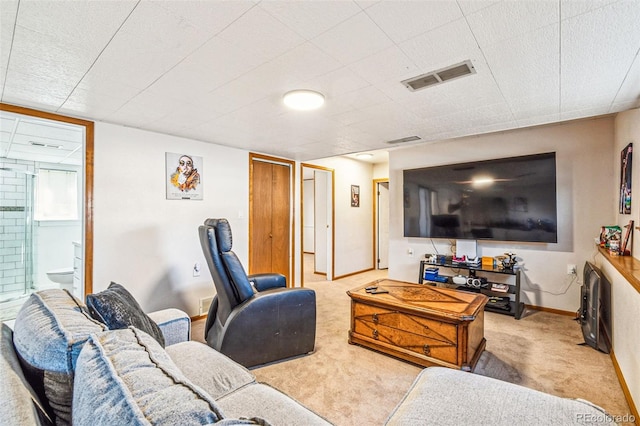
[(402, 20), (43, 91), (8, 11), (356, 99), (509, 19), (353, 39), (572, 8), (304, 62), (470, 6), (583, 113), (86, 26), (390, 64), (526, 68), (310, 19), (596, 51), (538, 120), (150, 43), (337, 82), (450, 44), (97, 98), (624, 106), (208, 16), (214, 64), (351, 116), (630, 88), (260, 34), (216, 71)]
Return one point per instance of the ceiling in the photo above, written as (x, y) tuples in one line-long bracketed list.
[(36, 139), (216, 71)]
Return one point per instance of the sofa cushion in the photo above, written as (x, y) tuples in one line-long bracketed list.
[(223, 375), (49, 332), (118, 309), (20, 405), (264, 402), (444, 396), (126, 377)]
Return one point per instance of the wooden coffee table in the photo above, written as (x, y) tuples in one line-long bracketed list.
[(422, 324)]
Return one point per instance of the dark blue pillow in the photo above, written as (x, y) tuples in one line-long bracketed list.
[(117, 309)]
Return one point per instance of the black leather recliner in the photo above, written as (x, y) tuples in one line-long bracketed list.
[(253, 324)]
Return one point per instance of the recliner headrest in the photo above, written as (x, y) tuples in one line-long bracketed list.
[(223, 233)]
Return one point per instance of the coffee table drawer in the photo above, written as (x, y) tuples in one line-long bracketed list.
[(424, 336)]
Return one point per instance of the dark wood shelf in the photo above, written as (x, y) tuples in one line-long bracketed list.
[(628, 266)]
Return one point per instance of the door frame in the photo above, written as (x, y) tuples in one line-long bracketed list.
[(88, 181), (333, 216), (292, 175), (375, 219)]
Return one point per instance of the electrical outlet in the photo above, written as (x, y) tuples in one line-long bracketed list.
[(196, 269), (571, 269), (410, 251)]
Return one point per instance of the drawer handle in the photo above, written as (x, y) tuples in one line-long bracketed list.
[(375, 318), (375, 334), (426, 349)]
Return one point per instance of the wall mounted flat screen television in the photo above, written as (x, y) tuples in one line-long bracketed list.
[(507, 199)]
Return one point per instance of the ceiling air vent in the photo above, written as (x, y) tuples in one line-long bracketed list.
[(45, 145), (437, 77), (404, 140)]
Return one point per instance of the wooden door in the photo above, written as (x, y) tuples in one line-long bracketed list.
[(270, 217)]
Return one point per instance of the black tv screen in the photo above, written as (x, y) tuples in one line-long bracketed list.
[(507, 199)]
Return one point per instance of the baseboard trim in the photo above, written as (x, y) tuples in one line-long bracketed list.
[(352, 273), (198, 317), (551, 310), (625, 388)]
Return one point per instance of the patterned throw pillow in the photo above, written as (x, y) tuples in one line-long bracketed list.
[(118, 309)]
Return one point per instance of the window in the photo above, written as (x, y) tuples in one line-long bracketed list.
[(56, 195)]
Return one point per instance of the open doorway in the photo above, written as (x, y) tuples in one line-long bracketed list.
[(381, 223), (46, 162), (317, 223)]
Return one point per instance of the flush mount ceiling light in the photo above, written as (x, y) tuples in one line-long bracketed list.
[(303, 100), (364, 156)]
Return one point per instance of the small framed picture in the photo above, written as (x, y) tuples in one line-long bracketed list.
[(625, 179), (355, 196), (183, 177)]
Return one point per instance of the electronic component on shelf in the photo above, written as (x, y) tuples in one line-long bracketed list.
[(435, 259), (501, 288), (476, 282)]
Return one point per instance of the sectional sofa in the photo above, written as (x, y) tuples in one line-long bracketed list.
[(59, 365)]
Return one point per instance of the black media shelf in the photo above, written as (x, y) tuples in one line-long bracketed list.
[(516, 307)]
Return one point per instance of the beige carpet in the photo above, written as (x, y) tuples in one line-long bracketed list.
[(351, 385)]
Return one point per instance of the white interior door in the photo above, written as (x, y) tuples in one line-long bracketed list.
[(320, 222), (328, 180), (308, 227), (383, 225)]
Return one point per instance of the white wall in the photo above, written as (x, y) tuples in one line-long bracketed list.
[(584, 194), (380, 171), (354, 225), (150, 244), (54, 239), (625, 300)]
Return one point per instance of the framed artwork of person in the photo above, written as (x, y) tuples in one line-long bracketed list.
[(183, 177)]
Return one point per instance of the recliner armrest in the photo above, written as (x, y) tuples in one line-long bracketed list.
[(263, 282), (174, 323)]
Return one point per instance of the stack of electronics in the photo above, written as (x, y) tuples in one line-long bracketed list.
[(436, 259), (432, 274), (499, 302)]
